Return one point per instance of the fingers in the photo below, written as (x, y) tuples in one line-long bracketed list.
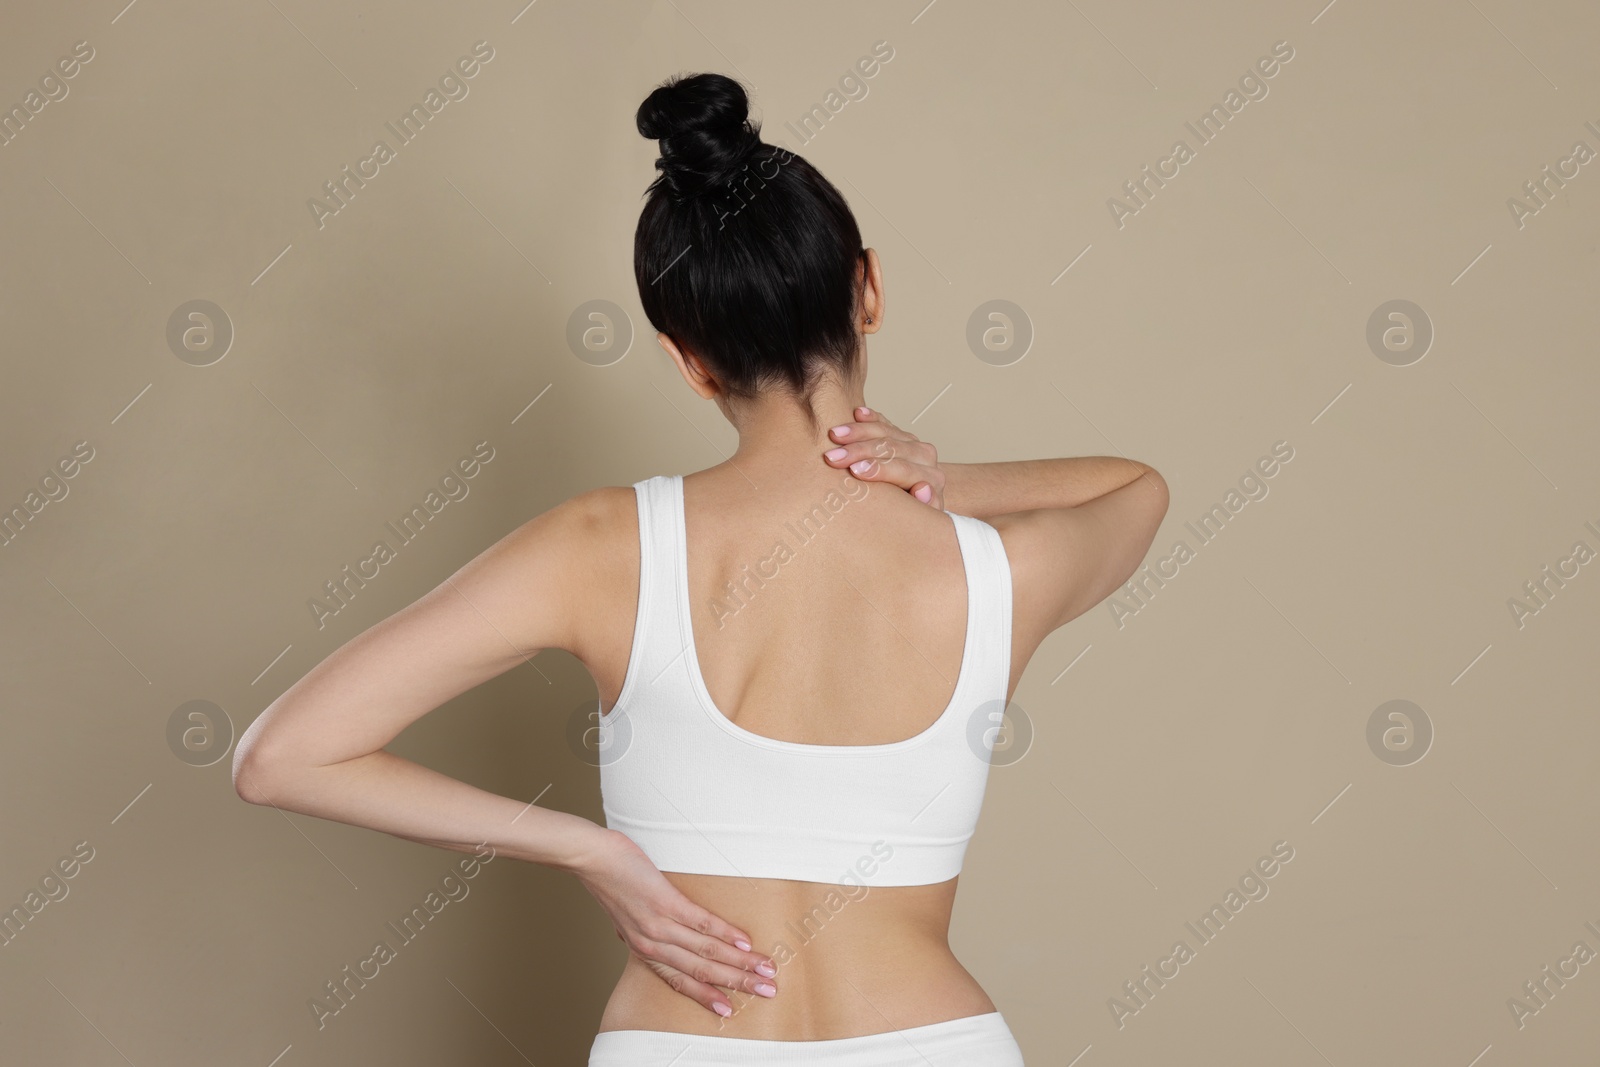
[(873, 449), (696, 952), (705, 923), (710, 938), (865, 414), (843, 456), (879, 419), (707, 996), (882, 436), (709, 972), (903, 471), (697, 973), (854, 447), (898, 472), (877, 429)]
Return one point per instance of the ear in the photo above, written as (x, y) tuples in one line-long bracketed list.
[(694, 372), (872, 303)]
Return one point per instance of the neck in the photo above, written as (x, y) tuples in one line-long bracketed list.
[(776, 439)]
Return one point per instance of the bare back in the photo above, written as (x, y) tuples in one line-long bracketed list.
[(826, 613)]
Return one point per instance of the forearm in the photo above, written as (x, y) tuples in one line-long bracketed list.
[(984, 490), (385, 792)]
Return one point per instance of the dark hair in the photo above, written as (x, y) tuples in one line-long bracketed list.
[(744, 254)]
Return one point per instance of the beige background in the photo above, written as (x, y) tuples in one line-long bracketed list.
[(1230, 313)]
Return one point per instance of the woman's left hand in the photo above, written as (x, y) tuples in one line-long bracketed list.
[(886, 453)]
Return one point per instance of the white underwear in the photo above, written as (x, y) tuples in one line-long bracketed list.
[(974, 1041)]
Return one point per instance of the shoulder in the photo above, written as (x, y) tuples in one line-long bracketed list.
[(583, 538), (585, 519), (595, 512), (595, 536), (538, 581), (599, 529)]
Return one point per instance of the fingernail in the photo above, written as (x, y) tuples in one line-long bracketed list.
[(742, 944), (860, 465), (836, 453), (840, 431), (766, 970), (863, 411), (722, 1009), (766, 990), (924, 494)]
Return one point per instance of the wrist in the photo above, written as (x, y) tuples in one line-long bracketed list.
[(590, 850), (956, 484)]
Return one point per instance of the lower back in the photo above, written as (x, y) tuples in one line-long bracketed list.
[(851, 960)]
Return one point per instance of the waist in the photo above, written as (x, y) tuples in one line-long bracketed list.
[(851, 961), (971, 1041)]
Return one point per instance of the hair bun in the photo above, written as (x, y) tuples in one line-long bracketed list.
[(702, 123)]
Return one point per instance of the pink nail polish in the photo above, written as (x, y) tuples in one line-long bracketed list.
[(742, 944), (765, 990), (836, 453), (860, 465), (840, 431), (722, 1009), (766, 970)]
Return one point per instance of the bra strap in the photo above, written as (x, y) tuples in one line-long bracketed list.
[(655, 623), (989, 586)]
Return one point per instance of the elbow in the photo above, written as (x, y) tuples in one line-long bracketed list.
[(255, 777), (1157, 499), (1160, 496), (249, 781)]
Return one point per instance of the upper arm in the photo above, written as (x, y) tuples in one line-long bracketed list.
[(1070, 559), (513, 599)]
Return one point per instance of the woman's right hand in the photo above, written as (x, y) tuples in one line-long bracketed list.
[(887, 454), (689, 948)]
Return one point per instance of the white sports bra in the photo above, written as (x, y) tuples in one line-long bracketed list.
[(702, 795)]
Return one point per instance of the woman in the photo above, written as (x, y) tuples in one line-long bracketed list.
[(801, 652)]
